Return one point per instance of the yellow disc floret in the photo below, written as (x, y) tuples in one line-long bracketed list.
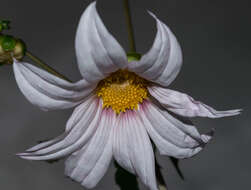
[(122, 90)]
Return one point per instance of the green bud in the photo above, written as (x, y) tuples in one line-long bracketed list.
[(5, 56), (131, 56), (11, 48), (4, 25), (8, 43)]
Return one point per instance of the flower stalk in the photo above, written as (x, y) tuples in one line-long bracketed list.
[(45, 66), (129, 26)]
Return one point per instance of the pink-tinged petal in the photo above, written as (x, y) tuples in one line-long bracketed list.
[(98, 53), (89, 164), (184, 105), (76, 137), (132, 148), (163, 61), (171, 136), (47, 91)]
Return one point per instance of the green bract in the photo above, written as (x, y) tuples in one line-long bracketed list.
[(131, 56)]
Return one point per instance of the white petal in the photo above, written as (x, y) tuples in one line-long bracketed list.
[(132, 148), (90, 164), (48, 91), (171, 136), (120, 143), (46, 143), (77, 136), (98, 53), (185, 105), (163, 61)]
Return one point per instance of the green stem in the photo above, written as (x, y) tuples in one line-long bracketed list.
[(129, 26), (46, 67)]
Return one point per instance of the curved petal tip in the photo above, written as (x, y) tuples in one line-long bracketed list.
[(98, 52), (162, 63)]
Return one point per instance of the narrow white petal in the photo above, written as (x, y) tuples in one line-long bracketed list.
[(133, 150), (46, 143), (184, 105), (120, 143), (89, 110), (76, 137), (168, 130), (82, 112), (47, 91), (163, 61), (98, 53), (171, 136), (100, 168), (90, 164)]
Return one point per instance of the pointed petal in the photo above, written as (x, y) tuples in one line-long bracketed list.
[(163, 61), (75, 138), (171, 136), (132, 148), (184, 105), (90, 164), (47, 91), (98, 53)]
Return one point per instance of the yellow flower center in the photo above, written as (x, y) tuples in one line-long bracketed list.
[(122, 90)]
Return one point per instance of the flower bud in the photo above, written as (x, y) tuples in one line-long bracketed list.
[(4, 25), (8, 43), (19, 50), (10, 48)]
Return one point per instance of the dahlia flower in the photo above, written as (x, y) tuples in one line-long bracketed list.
[(120, 106)]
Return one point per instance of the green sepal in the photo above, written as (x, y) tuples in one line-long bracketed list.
[(8, 43), (132, 56)]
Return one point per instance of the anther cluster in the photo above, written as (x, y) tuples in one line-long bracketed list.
[(122, 90)]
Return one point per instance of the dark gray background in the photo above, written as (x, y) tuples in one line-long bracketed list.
[(215, 38)]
